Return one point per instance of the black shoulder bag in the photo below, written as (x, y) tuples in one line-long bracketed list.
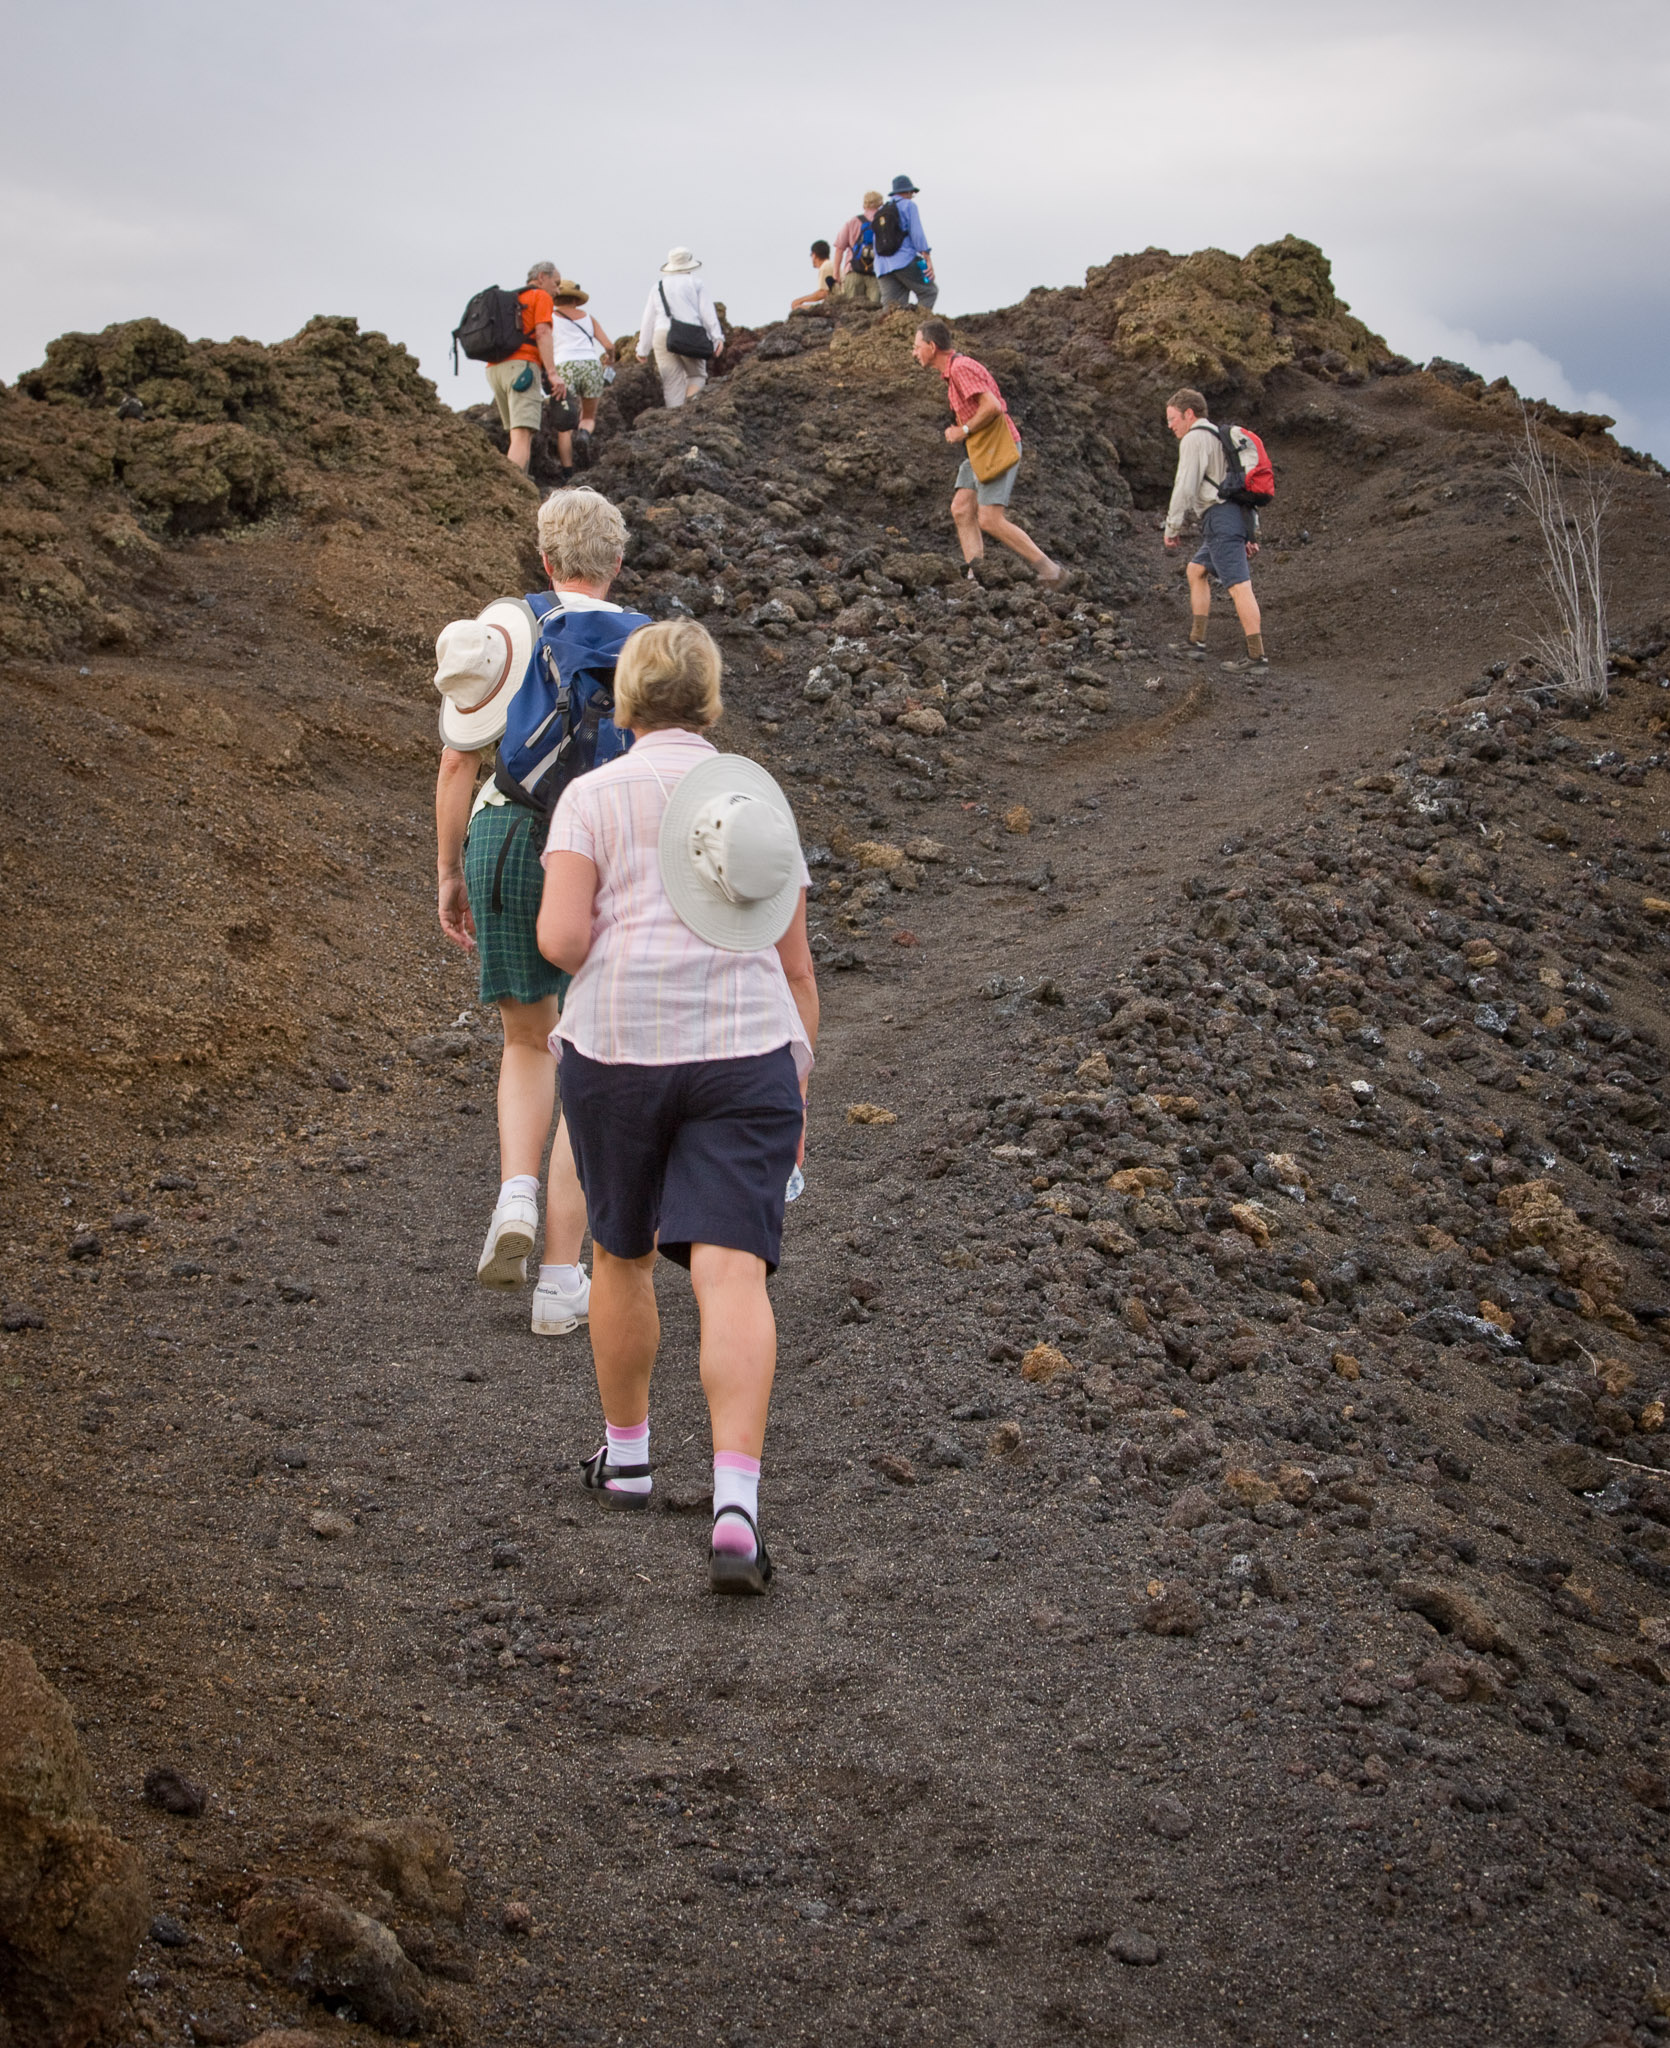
[(686, 337)]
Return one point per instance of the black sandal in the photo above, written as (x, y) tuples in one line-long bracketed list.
[(729, 1573), (596, 1472)]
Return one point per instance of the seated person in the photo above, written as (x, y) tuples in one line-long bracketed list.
[(825, 269)]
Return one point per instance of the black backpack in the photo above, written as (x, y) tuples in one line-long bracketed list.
[(491, 328), (890, 230)]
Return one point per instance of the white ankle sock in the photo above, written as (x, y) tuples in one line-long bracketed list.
[(565, 1277), (520, 1184), (629, 1447), (736, 1484)]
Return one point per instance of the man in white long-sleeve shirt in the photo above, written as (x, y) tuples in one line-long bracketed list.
[(1224, 548), (679, 295)]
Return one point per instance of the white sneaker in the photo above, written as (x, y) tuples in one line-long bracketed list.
[(557, 1310), (510, 1238)]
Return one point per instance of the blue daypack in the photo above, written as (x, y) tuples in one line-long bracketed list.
[(562, 720)]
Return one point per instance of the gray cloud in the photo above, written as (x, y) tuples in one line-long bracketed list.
[(1491, 171)]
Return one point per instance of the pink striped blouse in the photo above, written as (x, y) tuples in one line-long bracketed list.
[(651, 993)]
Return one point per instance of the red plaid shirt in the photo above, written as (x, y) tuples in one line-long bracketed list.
[(965, 379)]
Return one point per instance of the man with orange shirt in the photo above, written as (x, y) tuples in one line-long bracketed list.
[(519, 381)]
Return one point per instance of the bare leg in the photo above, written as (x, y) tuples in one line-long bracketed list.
[(521, 447), (588, 414), (1246, 607), (527, 1086), (997, 525), (963, 514), (565, 1205), (739, 1344), (1200, 590), (625, 1334), (565, 449)]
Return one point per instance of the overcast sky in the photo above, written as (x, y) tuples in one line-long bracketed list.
[(1489, 179)]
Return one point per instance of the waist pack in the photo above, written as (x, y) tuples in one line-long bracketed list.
[(685, 337), (491, 328), (888, 228), (1249, 480)]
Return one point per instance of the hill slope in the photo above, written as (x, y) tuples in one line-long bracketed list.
[(1218, 1473)]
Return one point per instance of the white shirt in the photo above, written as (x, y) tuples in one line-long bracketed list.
[(567, 601), (651, 993), (573, 341), (687, 299)]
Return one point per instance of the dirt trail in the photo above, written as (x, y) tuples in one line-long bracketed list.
[(1218, 1501)]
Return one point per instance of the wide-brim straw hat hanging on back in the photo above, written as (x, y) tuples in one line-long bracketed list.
[(730, 855), (679, 260), (479, 666)]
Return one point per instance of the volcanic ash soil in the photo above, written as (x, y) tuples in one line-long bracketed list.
[(1217, 1472)]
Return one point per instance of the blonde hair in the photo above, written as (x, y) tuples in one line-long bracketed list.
[(581, 535), (668, 675)]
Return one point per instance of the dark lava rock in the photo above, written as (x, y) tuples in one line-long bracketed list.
[(1166, 1815), (1577, 1467), (1138, 1950), (167, 1789), (293, 1290), (16, 1319), (85, 1245), (1175, 1612), (167, 1932)]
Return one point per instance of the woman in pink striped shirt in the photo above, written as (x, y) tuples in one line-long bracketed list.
[(683, 1075)]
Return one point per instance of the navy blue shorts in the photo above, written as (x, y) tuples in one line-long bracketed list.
[(1223, 545), (698, 1153)]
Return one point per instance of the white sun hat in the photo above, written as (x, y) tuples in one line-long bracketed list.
[(679, 259), (479, 666), (730, 855)]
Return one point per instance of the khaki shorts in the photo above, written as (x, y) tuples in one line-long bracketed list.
[(858, 285), (517, 408)]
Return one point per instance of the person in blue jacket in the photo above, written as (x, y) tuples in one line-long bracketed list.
[(535, 675), (907, 268)]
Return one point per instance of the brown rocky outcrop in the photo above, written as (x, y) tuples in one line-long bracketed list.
[(72, 1901)]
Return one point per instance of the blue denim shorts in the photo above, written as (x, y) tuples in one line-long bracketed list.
[(1223, 545), (697, 1153)]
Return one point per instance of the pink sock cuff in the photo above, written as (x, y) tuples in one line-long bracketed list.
[(638, 1433), (734, 1461)]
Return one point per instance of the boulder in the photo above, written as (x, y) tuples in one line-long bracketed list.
[(309, 1940)]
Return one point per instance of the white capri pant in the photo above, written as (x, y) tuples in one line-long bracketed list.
[(682, 377)]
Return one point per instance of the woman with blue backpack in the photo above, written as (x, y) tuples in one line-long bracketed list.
[(535, 676)]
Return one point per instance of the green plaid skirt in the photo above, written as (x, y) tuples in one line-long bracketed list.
[(501, 865)]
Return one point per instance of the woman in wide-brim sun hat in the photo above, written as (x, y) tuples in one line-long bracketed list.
[(675, 893), (678, 294)]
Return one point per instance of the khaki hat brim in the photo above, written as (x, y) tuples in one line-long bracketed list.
[(470, 731), (732, 927)]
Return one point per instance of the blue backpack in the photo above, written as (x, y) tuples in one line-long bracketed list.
[(562, 720)]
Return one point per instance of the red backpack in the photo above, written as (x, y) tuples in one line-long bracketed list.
[(1249, 478)]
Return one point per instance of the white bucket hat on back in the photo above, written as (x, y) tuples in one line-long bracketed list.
[(730, 855), (680, 259), (479, 666)]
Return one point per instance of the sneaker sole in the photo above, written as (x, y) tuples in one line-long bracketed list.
[(559, 1329), (507, 1266)]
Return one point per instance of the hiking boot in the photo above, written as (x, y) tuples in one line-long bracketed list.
[(1056, 577), (557, 1310), (1197, 638), (582, 448), (510, 1235)]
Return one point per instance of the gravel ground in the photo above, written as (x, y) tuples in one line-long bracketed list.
[(1215, 1477)]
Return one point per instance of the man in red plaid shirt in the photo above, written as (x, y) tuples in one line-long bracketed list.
[(976, 507)]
